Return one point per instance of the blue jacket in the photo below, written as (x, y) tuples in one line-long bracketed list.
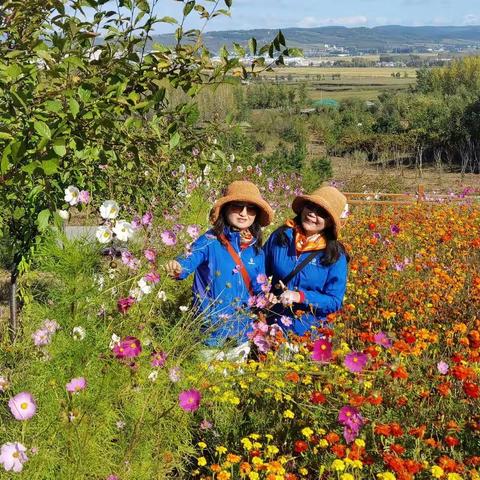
[(323, 286), (219, 290)]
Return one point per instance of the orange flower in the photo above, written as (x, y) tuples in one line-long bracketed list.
[(332, 438), (292, 377), (418, 432), (382, 429)]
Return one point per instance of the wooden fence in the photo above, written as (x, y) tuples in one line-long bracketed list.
[(355, 198)]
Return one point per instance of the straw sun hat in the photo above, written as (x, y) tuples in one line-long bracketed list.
[(243, 191), (329, 198)]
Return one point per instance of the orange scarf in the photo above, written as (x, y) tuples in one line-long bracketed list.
[(304, 243)]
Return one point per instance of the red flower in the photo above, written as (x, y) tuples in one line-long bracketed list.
[(451, 441), (300, 446), (317, 398), (471, 389)]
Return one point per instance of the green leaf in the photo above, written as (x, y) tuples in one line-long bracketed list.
[(50, 166), (228, 3), (239, 50), (42, 219), (42, 129), (171, 20), (5, 136), (30, 167), (74, 107), (188, 7), (53, 105), (252, 45), (174, 140), (281, 38)]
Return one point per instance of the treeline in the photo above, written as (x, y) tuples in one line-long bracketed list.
[(437, 122)]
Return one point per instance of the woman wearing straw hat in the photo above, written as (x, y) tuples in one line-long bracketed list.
[(227, 260), (307, 263)]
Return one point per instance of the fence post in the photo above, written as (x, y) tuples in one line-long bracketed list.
[(421, 193)]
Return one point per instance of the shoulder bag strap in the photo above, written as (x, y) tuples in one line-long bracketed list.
[(298, 268), (238, 262)]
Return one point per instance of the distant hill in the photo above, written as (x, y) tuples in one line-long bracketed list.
[(383, 39)]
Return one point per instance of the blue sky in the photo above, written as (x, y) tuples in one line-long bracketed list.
[(247, 14)]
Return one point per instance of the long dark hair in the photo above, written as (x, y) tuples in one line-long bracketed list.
[(255, 229), (333, 250)]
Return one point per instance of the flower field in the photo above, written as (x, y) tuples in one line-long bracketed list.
[(109, 379)]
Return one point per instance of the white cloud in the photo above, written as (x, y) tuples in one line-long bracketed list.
[(471, 19), (353, 21)]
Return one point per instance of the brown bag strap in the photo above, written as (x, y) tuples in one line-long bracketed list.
[(238, 262)]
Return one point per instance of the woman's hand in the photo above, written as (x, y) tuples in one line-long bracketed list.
[(271, 298), (289, 296), (173, 268)]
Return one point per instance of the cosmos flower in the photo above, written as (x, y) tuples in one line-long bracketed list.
[(128, 347), (72, 195), (22, 406), (322, 351), (12, 456), (189, 400), (75, 385), (355, 361), (109, 209)]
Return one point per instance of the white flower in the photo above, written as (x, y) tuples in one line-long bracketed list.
[(345, 212), (104, 234), (78, 333), (183, 308), (63, 214), (161, 295), (136, 293), (232, 158), (123, 230), (153, 375), (144, 286), (182, 168), (12, 456), (3, 384), (109, 209), (207, 169), (114, 341), (72, 195)]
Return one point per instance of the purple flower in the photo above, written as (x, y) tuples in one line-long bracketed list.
[(174, 374), (147, 219), (113, 477), (193, 231), (41, 337), (168, 238), (76, 384), (394, 229), (22, 406), (136, 222), (124, 304), (381, 338), (152, 277), (158, 359), (12, 456), (261, 302), (322, 351), (84, 197), (51, 326), (189, 400), (150, 255), (351, 417), (286, 321), (443, 367), (128, 347), (350, 434), (129, 260), (355, 361)]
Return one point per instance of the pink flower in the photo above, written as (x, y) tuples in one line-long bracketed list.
[(442, 367), (152, 277), (129, 347), (168, 238), (381, 338), (129, 260), (76, 384), (124, 304), (355, 361), (261, 302), (158, 359), (262, 278), (84, 197), (189, 400), (147, 219), (51, 326), (22, 406), (136, 222), (150, 255), (286, 321), (322, 351), (41, 337), (12, 456), (193, 231), (205, 424), (350, 416)]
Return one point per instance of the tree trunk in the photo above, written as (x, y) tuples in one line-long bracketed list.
[(13, 323)]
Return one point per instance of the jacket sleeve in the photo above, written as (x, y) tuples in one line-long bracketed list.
[(198, 254), (330, 298)]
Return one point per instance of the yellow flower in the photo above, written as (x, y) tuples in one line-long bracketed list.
[(257, 445), (307, 380), (202, 444), (272, 449), (357, 464), (386, 476), (453, 476), (347, 476), (253, 476), (288, 414), (202, 461), (303, 471), (322, 443), (269, 436), (257, 461), (307, 432), (359, 442), (247, 444), (254, 436), (338, 465), (221, 450), (437, 472)]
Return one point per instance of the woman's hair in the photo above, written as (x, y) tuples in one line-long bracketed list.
[(255, 228), (333, 250)]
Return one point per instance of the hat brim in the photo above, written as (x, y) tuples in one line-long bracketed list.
[(265, 215), (300, 201)]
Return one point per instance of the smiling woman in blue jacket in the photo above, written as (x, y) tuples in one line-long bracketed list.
[(307, 263), (226, 261)]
